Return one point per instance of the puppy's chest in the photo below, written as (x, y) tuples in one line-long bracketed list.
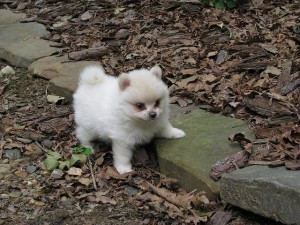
[(140, 136)]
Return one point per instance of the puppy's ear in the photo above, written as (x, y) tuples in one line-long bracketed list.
[(124, 81), (156, 70)]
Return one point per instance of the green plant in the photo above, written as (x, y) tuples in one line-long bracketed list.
[(54, 159), (220, 4)]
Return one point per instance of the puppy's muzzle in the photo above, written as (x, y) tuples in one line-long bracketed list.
[(152, 115)]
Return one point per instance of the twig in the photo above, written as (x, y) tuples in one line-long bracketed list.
[(41, 147), (2, 143), (92, 173)]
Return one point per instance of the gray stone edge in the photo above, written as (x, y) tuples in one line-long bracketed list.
[(255, 195)]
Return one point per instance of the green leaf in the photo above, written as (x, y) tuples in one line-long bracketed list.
[(55, 155), (231, 4), (83, 150), (219, 5), (64, 164), (50, 163), (78, 157)]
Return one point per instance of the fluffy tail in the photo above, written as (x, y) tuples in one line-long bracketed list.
[(92, 75)]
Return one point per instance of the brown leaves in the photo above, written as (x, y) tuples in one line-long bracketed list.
[(234, 161), (176, 205), (268, 106)]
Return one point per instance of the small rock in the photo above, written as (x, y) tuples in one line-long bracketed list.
[(4, 168), (30, 169), (64, 198), (32, 182), (86, 16), (5, 161), (47, 143), (57, 173), (13, 154), (131, 191), (15, 194), (1, 176), (12, 208), (4, 196), (25, 192), (59, 24), (8, 70), (122, 34)]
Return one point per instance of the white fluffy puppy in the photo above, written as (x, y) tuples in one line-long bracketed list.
[(126, 111)]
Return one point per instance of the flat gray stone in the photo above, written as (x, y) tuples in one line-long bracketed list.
[(62, 73), (9, 17), (270, 192), (190, 159), (176, 110), (21, 43), (13, 154)]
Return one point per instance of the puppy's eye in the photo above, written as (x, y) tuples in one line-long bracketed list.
[(157, 102), (140, 106)]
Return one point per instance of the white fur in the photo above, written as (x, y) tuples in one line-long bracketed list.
[(106, 108)]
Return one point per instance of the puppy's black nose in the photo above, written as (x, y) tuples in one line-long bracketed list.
[(152, 115)]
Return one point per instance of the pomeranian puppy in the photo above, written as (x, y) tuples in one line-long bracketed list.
[(126, 111)]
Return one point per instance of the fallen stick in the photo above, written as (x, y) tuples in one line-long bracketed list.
[(89, 53), (92, 173)]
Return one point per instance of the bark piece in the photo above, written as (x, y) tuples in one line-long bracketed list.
[(90, 53)]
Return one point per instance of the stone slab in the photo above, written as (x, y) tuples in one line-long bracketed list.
[(21, 43), (270, 192), (9, 17), (62, 73), (190, 159)]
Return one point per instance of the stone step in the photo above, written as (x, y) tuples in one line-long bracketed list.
[(9, 17), (21, 43), (270, 192), (62, 73), (190, 159)]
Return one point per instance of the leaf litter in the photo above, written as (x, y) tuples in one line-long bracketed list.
[(242, 63)]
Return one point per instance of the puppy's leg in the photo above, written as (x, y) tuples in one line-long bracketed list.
[(122, 156), (84, 137), (171, 132)]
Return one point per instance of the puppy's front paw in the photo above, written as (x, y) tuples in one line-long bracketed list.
[(175, 133), (123, 168)]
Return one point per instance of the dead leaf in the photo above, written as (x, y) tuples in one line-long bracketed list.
[(54, 99), (269, 48), (113, 173), (85, 181), (273, 70), (189, 72), (182, 103), (294, 165), (220, 218), (20, 173), (33, 150), (74, 171)]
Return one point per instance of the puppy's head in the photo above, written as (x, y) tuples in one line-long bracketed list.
[(144, 95)]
